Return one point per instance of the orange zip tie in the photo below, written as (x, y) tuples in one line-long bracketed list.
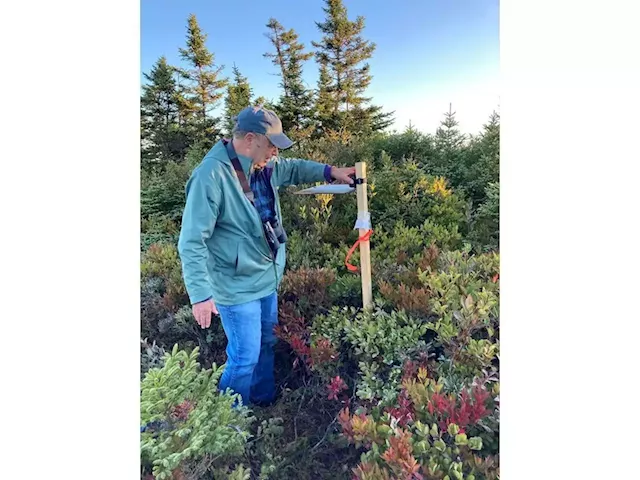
[(363, 238)]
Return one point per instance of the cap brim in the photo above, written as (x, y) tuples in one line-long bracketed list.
[(280, 140)]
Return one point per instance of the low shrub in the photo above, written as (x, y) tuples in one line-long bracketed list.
[(429, 433), (377, 342), (405, 245), (151, 356), (346, 291), (161, 261), (464, 292), (308, 289), (413, 300), (188, 427), (312, 354), (485, 228), (405, 192), (158, 228)]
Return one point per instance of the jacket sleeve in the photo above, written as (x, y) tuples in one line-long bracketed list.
[(198, 221), (288, 171)]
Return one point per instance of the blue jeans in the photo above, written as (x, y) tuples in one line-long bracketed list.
[(250, 341)]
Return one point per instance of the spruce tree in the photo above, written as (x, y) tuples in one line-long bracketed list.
[(326, 106), (490, 137), (262, 101), (448, 136), (482, 161), (205, 88), (161, 138), (238, 97), (449, 143), (345, 53), (295, 106)]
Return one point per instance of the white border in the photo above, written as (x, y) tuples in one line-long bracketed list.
[(70, 212)]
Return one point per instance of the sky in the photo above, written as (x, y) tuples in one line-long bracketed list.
[(429, 53)]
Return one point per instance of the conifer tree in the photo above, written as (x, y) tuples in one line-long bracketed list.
[(161, 138), (482, 161), (449, 143), (345, 53), (326, 106), (490, 137), (262, 101), (205, 85), (448, 136), (295, 105), (238, 97)]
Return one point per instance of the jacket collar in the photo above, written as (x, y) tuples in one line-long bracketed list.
[(245, 162)]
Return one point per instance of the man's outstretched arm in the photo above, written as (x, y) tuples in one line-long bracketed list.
[(297, 171)]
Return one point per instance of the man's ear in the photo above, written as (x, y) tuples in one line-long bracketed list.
[(250, 138)]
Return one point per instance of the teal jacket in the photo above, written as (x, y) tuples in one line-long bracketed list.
[(224, 253)]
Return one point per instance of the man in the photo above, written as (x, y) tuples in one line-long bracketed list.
[(232, 245)]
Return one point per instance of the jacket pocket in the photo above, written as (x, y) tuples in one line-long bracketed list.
[(250, 260)]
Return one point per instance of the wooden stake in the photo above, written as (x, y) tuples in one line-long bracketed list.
[(365, 255)]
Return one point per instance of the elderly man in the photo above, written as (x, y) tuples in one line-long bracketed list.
[(232, 244)]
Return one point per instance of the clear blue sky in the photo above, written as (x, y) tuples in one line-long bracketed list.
[(429, 52)]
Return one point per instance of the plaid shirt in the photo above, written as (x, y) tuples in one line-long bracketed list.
[(260, 183), (264, 198)]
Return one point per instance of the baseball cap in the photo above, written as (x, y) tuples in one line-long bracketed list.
[(265, 122)]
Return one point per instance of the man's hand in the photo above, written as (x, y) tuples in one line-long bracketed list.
[(341, 175), (202, 312)]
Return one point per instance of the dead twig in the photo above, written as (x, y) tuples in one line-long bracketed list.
[(326, 432)]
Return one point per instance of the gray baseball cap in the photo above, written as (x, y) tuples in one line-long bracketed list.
[(265, 122)]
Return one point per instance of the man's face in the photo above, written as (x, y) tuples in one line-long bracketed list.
[(261, 150)]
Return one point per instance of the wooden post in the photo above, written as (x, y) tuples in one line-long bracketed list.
[(363, 215)]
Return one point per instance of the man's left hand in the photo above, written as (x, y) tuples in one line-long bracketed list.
[(341, 175)]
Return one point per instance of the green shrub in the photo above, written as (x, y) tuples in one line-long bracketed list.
[(161, 261), (188, 423), (326, 221), (377, 341), (465, 299), (153, 312), (308, 289), (306, 250), (164, 193), (158, 229), (269, 448), (151, 356), (166, 328), (346, 291), (480, 165), (396, 148), (406, 245), (335, 151), (212, 341), (405, 192), (240, 473), (485, 230)]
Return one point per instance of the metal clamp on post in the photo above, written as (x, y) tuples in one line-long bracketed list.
[(358, 181)]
